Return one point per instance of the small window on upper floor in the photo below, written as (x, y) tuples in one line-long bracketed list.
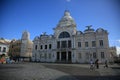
[(79, 44), (102, 55), (4, 49), (101, 42), (93, 43), (63, 44), (86, 44), (45, 46), (35, 47), (69, 43), (50, 46), (41, 47)]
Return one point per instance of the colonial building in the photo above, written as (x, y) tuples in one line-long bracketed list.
[(14, 48), (113, 54), (26, 45), (68, 44), (4, 46), (21, 48)]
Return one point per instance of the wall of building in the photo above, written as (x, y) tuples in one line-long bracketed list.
[(94, 44)]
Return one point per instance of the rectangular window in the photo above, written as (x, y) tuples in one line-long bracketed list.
[(49, 56), (102, 55), (41, 47), (58, 56), (79, 44), (50, 46), (63, 44), (94, 55), (93, 43), (45, 46), (86, 44), (35, 47), (79, 55), (87, 55), (40, 55), (58, 44), (69, 44), (101, 42), (4, 49)]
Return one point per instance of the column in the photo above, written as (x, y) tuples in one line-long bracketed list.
[(73, 42)]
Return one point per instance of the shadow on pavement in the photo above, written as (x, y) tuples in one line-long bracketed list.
[(74, 70), (89, 78)]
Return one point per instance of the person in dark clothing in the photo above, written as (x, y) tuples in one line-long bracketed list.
[(97, 64)]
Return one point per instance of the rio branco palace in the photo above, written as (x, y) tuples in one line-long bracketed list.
[(69, 45)]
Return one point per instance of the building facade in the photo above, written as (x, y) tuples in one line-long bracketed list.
[(67, 44), (113, 54), (4, 46), (14, 48), (22, 48), (26, 45)]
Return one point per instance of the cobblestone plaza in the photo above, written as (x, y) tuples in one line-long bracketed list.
[(54, 71)]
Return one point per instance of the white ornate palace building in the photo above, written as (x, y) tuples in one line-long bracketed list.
[(67, 44)]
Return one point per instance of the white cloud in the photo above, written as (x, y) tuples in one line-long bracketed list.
[(118, 41)]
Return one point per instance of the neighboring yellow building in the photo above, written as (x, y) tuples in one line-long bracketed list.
[(4, 46), (14, 48), (113, 54), (21, 49)]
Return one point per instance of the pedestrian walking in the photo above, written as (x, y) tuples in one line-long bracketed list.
[(91, 65), (97, 64), (106, 64)]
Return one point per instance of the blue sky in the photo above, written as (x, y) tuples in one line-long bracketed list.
[(37, 16)]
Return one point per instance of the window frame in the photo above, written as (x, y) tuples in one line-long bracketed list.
[(64, 35)]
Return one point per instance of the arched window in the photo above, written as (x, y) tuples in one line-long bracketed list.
[(64, 35)]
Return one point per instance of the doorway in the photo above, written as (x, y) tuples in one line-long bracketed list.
[(69, 56), (63, 56)]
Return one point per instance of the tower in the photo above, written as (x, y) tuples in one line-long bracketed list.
[(26, 45), (25, 35)]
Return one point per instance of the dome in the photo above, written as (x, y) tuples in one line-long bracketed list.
[(66, 20)]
